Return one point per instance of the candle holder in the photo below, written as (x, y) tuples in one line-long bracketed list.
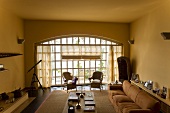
[(78, 106), (81, 95)]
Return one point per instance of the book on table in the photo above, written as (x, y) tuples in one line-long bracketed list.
[(89, 109), (73, 98), (88, 98), (89, 103)]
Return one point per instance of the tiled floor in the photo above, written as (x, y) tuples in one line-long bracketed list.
[(33, 106)]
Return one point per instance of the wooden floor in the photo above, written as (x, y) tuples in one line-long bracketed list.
[(42, 95), (31, 108)]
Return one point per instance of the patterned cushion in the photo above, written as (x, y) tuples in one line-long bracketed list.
[(95, 81), (74, 80)]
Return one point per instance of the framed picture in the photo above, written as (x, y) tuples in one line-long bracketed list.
[(135, 77), (164, 90)]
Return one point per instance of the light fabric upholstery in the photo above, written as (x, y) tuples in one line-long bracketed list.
[(147, 102), (126, 86), (133, 100)]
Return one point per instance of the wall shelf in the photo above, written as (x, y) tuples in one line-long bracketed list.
[(165, 103), (3, 55), (3, 69)]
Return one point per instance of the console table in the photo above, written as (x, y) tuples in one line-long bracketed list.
[(165, 103)]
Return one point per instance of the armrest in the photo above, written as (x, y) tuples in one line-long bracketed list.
[(90, 78), (115, 87), (141, 111), (64, 80)]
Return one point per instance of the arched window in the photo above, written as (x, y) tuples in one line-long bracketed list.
[(80, 55)]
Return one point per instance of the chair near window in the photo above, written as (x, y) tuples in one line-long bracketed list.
[(96, 80), (70, 81)]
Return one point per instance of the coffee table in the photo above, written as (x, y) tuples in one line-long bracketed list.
[(88, 99)]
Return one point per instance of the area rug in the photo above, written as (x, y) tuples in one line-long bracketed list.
[(56, 102)]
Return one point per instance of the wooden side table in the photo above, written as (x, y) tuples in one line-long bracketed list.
[(114, 86)]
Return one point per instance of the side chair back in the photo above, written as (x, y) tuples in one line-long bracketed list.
[(96, 80), (69, 81)]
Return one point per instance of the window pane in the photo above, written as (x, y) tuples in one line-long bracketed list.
[(108, 42), (92, 40), (97, 41), (58, 80), (97, 63), (39, 48), (103, 48), (57, 41), (58, 56), (103, 56), (75, 72), (75, 64), (53, 81), (81, 72), (39, 57), (87, 75), (63, 40), (70, 64), (103, 41), (39, 71), (53, 73), (86, 64), (71, 71), (64, 64), (51, 42), (81, 64), (58, 72), (81, 40), (57, 48), (69, 40), (86, 40), (75, 40), (52, 65), (58, 65)]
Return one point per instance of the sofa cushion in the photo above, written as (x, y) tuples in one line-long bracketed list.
[(126, 86), (125, 107), (121, 98), (133, 92), (117, 92), (147, 102)]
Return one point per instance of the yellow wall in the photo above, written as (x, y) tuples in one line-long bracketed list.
[(150, 54), (11, 27), (39, 30)]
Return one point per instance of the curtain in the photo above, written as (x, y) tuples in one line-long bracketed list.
[(81, 50), (110, 69), (44, 69), (117, 52)]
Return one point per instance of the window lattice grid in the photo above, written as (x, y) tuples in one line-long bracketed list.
[(78, 67)]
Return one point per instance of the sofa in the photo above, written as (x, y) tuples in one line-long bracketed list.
[(128, 98)]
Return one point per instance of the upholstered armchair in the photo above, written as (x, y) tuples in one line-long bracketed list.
[(69, 80), (96, 80)]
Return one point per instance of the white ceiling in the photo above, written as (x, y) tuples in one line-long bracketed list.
[(81, 10)]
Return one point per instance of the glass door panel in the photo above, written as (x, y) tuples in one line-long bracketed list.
[(58, 80), (87, 75)]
